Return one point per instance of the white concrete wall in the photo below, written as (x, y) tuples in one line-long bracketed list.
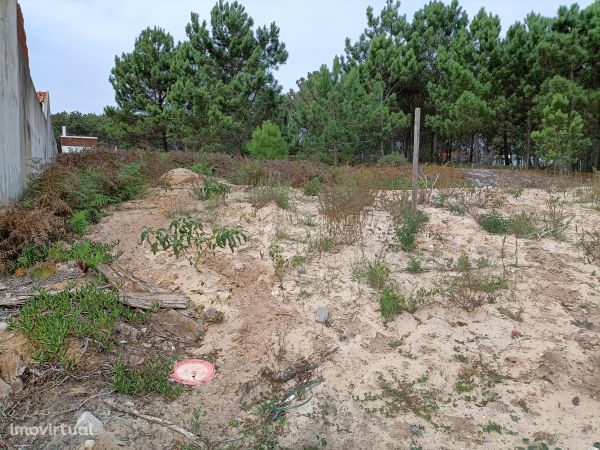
[(26, 138)]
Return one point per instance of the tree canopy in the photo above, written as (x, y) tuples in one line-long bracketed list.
[(485, 95)]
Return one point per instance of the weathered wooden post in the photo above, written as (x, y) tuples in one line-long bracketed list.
[(415, 166)]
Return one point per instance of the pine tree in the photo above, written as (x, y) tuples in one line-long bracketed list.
[(142, 80), (227, 87)]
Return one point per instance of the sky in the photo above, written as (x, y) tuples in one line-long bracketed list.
[(72, 43)]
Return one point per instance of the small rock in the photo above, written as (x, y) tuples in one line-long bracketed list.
[(127, 331), (575, 401), (322, 315), (588, 340), (89, 424), (3, 287), (90, 443), (511, 359), (213, 315), (5, 390), (11, 369), (3, 327)]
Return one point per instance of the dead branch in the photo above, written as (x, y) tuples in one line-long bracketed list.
[(188, 434)]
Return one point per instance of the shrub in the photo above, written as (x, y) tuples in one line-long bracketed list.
[(495, 223), (414, 266), (202, 168), (267, 142), (80, 221), (344, 205), (409, 225), (375, 273), (48, 320), (390, 303), (211, 188), (272, 191), (470, 288), (187, 234), (312, 188), (523, 225), (393, 159)]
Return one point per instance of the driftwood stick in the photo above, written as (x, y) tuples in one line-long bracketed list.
[(165, 423), (143, 300)]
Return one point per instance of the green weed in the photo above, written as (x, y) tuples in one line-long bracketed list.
[(48, 320), (409, 225), (414, 266), (153, 377)]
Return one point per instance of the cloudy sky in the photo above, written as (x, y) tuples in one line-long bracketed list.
[(72, 43)]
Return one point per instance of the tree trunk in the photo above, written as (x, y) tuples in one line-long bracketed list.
[(238, 149), (381, 148), (471, 149), (528, 140), (164, 141), (450, 150), (433, 147), (507, 161)]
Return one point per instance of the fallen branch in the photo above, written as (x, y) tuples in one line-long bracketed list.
[(142, 300), (188, 434)]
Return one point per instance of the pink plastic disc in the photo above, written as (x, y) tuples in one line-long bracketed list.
[(193, 371)]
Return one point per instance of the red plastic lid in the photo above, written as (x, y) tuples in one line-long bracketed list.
[(193, 371)]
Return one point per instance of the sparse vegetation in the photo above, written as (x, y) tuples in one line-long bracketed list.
[(86, 313), (400, 396), (271, 191), (408, 226)]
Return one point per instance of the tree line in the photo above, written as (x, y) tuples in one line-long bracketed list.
[(531, 95)]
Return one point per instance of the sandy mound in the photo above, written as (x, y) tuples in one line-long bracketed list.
[(180, 176)]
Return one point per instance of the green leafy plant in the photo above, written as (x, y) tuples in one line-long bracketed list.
[(153, 377), (30, 254), (414, 266), (186, 234), (515, 191), (87, 252), (391, 302), (211, 188), (48, 320), (80, 221), (495, 223), (409, 225)]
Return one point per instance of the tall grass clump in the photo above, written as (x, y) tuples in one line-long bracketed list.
[(344, 206)]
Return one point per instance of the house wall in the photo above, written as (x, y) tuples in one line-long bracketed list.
[(26, 138)]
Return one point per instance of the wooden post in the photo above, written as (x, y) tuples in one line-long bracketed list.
[(415, 166)]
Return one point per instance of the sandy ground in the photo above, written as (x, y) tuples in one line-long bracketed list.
[(541, 384)]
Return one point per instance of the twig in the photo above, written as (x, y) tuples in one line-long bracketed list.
[(188, 434), (60, 413)]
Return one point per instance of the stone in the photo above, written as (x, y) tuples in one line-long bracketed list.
[(322, 315), (3, 327), (180, 176), (213, 315), (588, 340), (5, 390), (11, 369), (184, 328), (90, 443), (127, 331), (90, 424)]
